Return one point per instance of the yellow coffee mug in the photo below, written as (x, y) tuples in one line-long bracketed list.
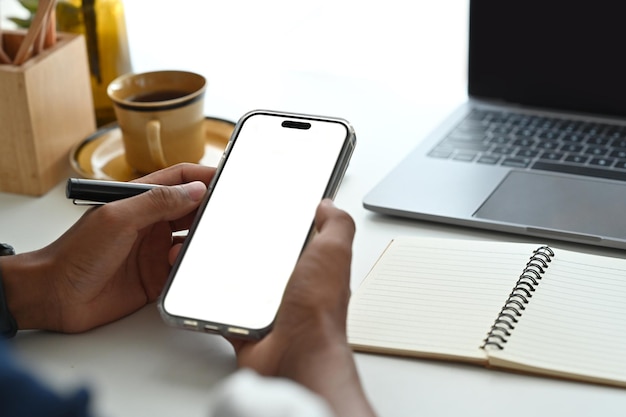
[(161, 116)]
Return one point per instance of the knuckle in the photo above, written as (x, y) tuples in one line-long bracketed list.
[(161, 197), (336, 246), (347, 220)]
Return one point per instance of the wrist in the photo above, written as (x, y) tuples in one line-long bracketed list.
[(29, 295), (322, 361), (332, 374), (8, 325)]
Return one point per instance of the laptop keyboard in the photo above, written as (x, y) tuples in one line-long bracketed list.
[(536, 142)]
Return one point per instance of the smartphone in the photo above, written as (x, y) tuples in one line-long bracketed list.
[(254, 222)]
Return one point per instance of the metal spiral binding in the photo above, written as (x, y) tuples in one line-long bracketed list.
[(516, 302)]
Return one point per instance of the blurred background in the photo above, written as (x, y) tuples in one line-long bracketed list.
[(415, 48)]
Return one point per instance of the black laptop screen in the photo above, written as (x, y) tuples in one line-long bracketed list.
[(550, 53)]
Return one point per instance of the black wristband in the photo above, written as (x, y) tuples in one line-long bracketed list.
[(8, 325)]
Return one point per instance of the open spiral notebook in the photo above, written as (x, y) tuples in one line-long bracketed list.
[(515, 306)]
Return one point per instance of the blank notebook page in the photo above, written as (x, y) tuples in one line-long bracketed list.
[(434, 297), (576, 321)]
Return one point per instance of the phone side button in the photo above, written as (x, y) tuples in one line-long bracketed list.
[(228, 146)]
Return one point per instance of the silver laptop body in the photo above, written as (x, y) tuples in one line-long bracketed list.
[(537, 149)]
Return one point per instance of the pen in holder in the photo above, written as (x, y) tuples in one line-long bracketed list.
[(45, 108)]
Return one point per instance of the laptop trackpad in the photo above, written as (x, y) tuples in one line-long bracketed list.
[(575, 205)]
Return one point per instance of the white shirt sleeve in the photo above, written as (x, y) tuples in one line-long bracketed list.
[(247, 394)]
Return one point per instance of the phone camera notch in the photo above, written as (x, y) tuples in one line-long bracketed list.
[(292, 124)]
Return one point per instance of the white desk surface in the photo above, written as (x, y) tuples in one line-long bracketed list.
[(394, 69)]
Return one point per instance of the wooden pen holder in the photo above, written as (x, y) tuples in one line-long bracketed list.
[(46, 107)]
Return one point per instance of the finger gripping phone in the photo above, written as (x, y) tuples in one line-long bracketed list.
[(255, 221)]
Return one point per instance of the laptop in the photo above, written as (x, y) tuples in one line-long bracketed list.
[(539, 148)]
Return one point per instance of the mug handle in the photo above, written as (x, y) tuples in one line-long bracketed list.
[(153, 134)]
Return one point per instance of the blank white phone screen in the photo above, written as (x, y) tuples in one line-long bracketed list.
[(256, 222)]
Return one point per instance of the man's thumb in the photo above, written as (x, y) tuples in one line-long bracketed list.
[(165, 203)]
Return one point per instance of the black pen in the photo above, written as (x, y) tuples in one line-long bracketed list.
[(101, 191)]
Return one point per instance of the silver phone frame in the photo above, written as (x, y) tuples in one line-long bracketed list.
[(234, 330)]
